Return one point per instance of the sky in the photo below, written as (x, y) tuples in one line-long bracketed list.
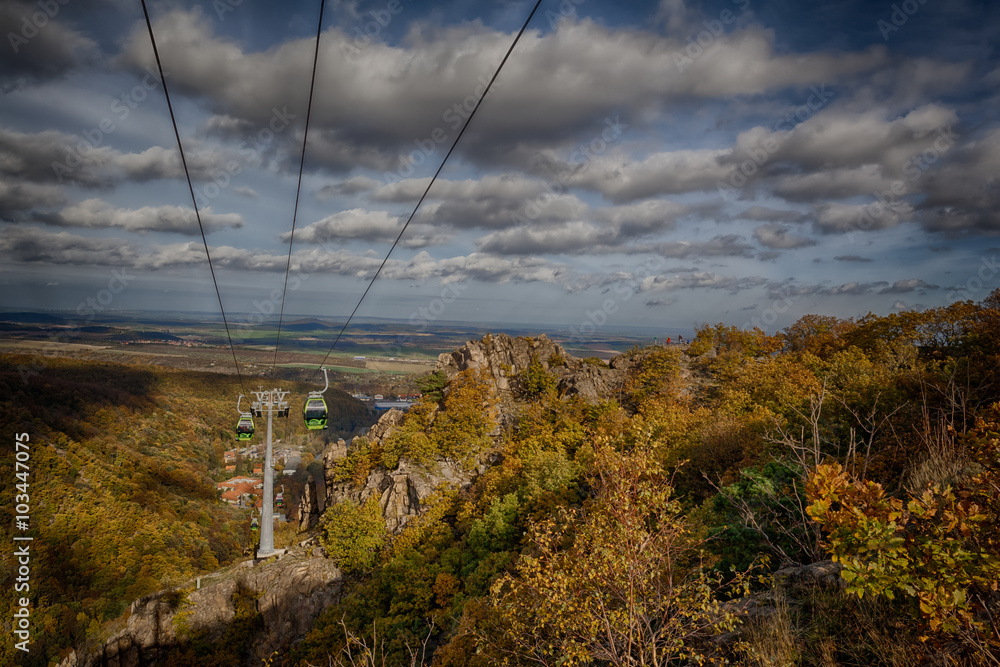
[(660, 164)]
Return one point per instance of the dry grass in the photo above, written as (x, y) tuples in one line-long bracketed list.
[(771, 640)]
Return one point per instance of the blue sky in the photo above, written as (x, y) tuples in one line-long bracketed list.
[(646, 163)]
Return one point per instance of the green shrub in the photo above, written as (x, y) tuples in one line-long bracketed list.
[(353, 535)]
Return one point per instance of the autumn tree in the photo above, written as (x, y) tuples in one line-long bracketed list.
[(939, 547), (616, 583)]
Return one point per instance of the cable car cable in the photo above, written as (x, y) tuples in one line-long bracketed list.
[(194, 201), (429, 185), (298, 188)]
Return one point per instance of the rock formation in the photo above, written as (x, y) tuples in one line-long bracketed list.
[(400, 491), (503, 358), (289, 593), (309, 506)]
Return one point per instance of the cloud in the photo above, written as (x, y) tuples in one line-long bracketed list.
[(366, 225), (245, 191), (838, 218), (853, 288), (728, 245), (852, 258), (778, 236), (552, 239), (839, 138), (605, 231), (623, 179), (765, 214), (32, 245), (97, 214), (904, 286), (56, 157), (351, 186), (701, 280), (600, 69), (960, 198), (490, 202), (837, 183), (16, 197), (36, 51)]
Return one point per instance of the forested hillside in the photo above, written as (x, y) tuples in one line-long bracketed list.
[(121, 501), (828, 495), (675, 522)]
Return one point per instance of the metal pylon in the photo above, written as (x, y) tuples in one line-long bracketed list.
[(271, 400)]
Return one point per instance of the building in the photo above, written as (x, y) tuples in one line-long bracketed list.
[(389, 405), (233, 490)]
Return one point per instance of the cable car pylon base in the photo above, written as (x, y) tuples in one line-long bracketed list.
[(272, 402)]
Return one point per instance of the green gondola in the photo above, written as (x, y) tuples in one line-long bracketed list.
[(254, 524), (244, 427), (315, 411)]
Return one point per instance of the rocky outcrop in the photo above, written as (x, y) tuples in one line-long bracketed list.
[(592, 383), (503, 358), (385, 425), (402, 492), (308, 506), (288, 593)]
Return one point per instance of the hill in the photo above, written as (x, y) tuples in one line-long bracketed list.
[(122, 501), (828, 495)]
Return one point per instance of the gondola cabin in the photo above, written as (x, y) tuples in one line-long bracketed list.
[(254, 524), (244, 428), (315, 413), (279, 499)]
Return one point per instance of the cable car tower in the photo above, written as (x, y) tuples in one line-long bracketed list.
[(272, 401)]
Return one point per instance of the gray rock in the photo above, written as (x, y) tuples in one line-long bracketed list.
[(290, 593), (308, 506)]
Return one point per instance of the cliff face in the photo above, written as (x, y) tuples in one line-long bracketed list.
[(402, 491), (309, 506), (287, 593), (503, 357)]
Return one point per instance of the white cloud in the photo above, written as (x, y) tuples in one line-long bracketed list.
[(98, 214), (778, 236)]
